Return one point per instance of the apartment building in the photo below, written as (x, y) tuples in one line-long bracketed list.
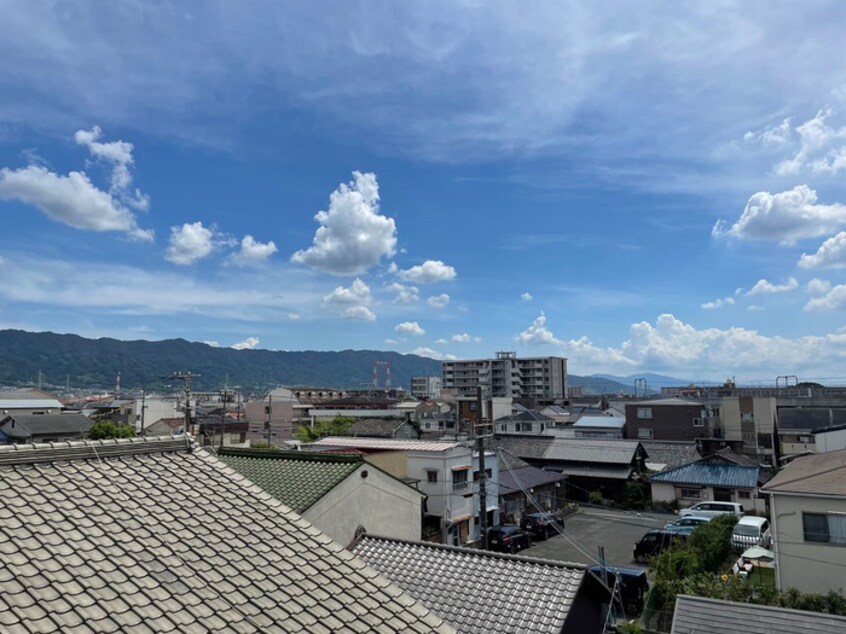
[(424, 387), (507, 376)]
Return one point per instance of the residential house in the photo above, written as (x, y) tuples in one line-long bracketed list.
[(694, 615), (383, 428), (524, 489), (751, 420), (165, 427), (668, 419), (28, 401), (447, 472), (34, 428), (830, 438), (725, 476), (339, 493), (528, 422), (478, 591), (274, 413), (157, 535), (796, 426), (667, 454), (808, 511), (600, 427)]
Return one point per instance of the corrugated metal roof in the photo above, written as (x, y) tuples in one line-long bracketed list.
[(592, 450), (696, 615), (608, 473), (386, 444), (615, 422), (720, 474)]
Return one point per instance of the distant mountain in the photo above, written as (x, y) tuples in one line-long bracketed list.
[(597, 385), (94, 363), (654, 381)]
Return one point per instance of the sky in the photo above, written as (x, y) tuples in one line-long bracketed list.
[(639, 187)]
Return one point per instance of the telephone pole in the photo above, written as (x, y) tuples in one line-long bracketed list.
[(483, 475), (269, 418), (185, 377)]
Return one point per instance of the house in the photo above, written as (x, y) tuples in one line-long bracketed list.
[(29, 428), (526, 422), (165, 427), (158, 535), (447, 472), (28, 401), (668, 419), (481, 591), (723, 477), (808, 510), (523, 488), (667, 454), (796, 426), (601, 426), (694, 615), (338, 493), (382, 428), (830, 438)]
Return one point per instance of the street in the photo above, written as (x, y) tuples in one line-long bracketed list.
[(590, 528)]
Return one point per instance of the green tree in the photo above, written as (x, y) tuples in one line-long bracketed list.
[(338, 426), (107, 429)]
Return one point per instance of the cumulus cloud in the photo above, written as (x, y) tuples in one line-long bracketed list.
[(253, 252), (830, 255), (429, 272), (526, 297), (119, 155), (391, 342), (786, 217), (538, 334), (818, 287), (438, 301), (441, 341), (777, 136), (433, 354), (249, 343), (764, 287), (189, 243), (353, 235), (405, 294), (361, 313), (71, 199), (833, 299), (357, 293), (718, 303), (821, 147), (410, 328), (465, 338)]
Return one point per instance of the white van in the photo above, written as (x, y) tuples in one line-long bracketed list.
[(712, 509), (751, 531)]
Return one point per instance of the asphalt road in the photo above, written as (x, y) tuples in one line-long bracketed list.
[(590, 528)]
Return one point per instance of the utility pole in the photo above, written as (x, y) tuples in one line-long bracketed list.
[(269, 417), (185, 377), (143, 408), (483, 475)]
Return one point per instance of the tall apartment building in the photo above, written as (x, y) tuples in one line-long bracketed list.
[(541, 378), (424, 387)]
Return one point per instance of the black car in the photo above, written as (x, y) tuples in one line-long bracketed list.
[(541, 525), (631, 584), (508, 538), (655, 542)]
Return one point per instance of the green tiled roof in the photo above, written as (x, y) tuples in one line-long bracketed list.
[(297, 479)]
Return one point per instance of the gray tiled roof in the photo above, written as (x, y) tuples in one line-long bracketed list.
[(528, 448), (592, 450), (476, 590), (694, 615), (711, 473), (672, 453), (526, 477), (28, 425), (819, 474), (155, 535)]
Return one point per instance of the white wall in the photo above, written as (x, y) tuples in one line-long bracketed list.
[(831, 440), (663, 492), (381, 504)]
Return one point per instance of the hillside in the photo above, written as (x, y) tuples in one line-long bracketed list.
[(94, 363)]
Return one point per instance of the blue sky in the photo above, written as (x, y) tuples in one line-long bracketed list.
[(655, 187)]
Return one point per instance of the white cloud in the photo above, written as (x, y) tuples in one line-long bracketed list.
[(249, 343), (189, 243), (119, 155), (292, 316), (818, 287), (777, 136), (433, 354), (526, 297), (253, 252), (834, 299), (357, 293), (213, 344), (764, 287), (815, 153), (465, 338), (429, 272), (410, 328), (72, 200), (752, 308), (361, 313), (405, 294), (391, 342), (538, 334), (438, 301), (718, 303), (786, 217), (830, 255), (353, 234), (441, 341)]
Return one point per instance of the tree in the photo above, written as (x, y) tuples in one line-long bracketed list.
[(107, 429), (338, 426)]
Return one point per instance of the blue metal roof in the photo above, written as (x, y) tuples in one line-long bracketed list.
[(711, 474)]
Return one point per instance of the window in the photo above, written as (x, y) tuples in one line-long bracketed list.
[(644, 412), (431, 476), (459, 479), (691, 493), (747, 417), (825, 528), (698, 422), (644, 432), (503, 427), (743, 495)]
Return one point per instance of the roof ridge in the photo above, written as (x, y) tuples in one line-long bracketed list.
[(281, 454), (31, 453)]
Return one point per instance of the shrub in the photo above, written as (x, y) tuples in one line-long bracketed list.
[(595, 497)]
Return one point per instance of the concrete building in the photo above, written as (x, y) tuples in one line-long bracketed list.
[(28, 401), (751, 420), (424, 387), (668, 419)]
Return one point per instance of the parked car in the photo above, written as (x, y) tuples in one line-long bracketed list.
[(654, 542), (751, 531), (633, 586), (541, 525), (508, 538), (713, 509), (689, 520)]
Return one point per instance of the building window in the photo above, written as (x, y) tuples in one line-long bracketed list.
[(743, 495), (698, 422), (825, 528), (459, 479), (644, 412), (503, 427), (644, 432), (431, 476), (691, 493), (747, 417)]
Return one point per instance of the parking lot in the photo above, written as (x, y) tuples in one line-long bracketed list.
[(590, 528)]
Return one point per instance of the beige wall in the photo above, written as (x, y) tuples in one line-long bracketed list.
[(663, 492), (666, 492), (394, 462), (806, 566), (379, 503)]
